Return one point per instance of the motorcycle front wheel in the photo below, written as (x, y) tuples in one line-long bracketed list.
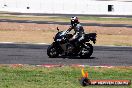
[(86, 51), (52, 52)]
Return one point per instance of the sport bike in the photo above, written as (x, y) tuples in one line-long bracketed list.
[(62, 46)]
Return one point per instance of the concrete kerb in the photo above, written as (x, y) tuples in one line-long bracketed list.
[(60, 65)]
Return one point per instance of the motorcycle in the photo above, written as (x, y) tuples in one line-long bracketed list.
[(62, 46)]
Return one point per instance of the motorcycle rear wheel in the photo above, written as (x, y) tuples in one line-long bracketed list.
[(86, 51)]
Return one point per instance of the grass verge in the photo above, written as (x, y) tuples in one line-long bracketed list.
[(105, 18), (43, 36), (61, 77), (65, 18)]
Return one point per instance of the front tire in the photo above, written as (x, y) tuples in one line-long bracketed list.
[(52, 52), (86, 51)]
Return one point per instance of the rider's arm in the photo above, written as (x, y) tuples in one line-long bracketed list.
[(70, 28)]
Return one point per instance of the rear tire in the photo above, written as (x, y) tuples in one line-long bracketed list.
[(86, 51), (52, 52)]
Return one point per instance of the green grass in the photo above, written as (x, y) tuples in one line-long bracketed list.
[(104, 19), (91, 18), (64, 77)]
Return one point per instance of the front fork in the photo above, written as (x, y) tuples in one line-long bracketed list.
[(57, 46)]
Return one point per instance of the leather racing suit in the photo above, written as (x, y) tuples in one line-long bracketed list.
[(79, 33)]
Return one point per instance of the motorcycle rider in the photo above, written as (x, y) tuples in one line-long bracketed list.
[(78, 29)]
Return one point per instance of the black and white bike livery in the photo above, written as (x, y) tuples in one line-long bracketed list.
[(62, 46)]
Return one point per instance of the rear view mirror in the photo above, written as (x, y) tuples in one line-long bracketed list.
[(57, 28)]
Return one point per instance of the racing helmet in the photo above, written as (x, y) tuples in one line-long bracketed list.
[(74, 21)]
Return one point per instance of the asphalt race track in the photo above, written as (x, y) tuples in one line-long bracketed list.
[(36, 54)]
